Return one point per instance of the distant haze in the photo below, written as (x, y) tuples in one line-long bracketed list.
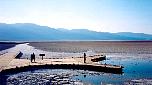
[(97, 15), (33, 32)]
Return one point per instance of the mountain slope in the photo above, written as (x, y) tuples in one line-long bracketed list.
[(30, 32)]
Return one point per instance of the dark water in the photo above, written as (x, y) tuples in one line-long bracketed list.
[(4, 46)]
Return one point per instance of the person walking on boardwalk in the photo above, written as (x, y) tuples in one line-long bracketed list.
[(84, 57)]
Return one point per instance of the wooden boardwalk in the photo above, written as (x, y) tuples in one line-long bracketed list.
[(9, 63)]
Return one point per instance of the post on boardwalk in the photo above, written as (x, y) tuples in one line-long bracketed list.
[(84, 57), (42, 55)]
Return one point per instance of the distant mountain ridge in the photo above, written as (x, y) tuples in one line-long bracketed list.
[(30, 32)]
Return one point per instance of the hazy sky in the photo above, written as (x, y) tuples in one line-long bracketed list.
[(98, 15)]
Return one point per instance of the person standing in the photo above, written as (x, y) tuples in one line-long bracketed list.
[(34, 57), (84, 57), (31, 58)]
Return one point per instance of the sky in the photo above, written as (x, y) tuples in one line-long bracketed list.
[(97, 15)]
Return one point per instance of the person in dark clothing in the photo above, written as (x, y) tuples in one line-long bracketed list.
[(32, 57), (84, 57)]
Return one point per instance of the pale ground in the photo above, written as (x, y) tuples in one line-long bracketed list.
[(7, 60), (25, 62)]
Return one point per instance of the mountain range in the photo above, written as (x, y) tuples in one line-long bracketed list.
[(33, 32)]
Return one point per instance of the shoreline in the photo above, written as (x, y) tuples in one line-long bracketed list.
[(21, 42)]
